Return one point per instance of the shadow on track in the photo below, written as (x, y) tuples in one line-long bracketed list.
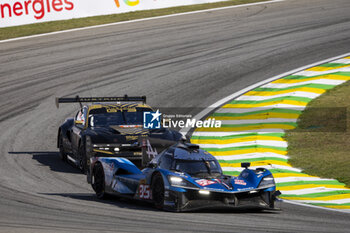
[(115, 201), (50, 159), (140, 205)]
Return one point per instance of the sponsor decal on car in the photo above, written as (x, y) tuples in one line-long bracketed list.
[(245, 189), (151, 153), (240, 182), (205, 182), (144, 192)]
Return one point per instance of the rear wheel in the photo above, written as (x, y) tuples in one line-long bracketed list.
[(63, 155), (158, 191), (82, 158), (98, 181)]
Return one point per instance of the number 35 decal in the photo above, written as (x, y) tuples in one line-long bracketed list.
[(144, 191)]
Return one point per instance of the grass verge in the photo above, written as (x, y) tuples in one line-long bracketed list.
[(320, 145), (39, 28)]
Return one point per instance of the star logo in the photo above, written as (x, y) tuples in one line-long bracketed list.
[(151, 120), (156, 116)]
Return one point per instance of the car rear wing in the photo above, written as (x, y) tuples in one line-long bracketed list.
[(80, 100)]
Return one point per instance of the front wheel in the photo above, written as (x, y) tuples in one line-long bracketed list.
[(98, 181), (158, 191)]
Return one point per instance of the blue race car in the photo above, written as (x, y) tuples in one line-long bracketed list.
[(183, 178)]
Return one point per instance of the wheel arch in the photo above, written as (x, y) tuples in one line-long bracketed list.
[(64, 129), (154, 174)]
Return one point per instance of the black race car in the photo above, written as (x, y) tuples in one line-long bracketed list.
[(108, 127)]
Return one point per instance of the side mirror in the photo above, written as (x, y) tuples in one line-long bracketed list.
[(184, 139), (245, 165)]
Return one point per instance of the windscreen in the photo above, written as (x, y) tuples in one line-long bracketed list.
[(102, 118), (199, 168)]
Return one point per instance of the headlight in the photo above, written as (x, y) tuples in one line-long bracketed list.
[(180, 182), (267, 181), (176, 181), (107, 147), (204, 192)]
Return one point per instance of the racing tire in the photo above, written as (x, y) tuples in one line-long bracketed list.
[(82, 158), (98, 181), (63, 155), (158, 191)]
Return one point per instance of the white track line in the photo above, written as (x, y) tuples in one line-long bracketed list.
[(223, 134), (300, 178), (318, 73), (319, 189), (317, 207), (248, 143), (291, 94), (318, 81), (255, 109), (272, 166), (258, 121), (337, 201), (342, 61), (140, 20), (251, 156)]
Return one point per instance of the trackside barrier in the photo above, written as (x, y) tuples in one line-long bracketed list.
[(21, 12)]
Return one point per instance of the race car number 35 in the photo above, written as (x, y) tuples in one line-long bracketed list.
[(144, 191)]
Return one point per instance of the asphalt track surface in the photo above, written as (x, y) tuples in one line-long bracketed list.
[(190, 61)]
